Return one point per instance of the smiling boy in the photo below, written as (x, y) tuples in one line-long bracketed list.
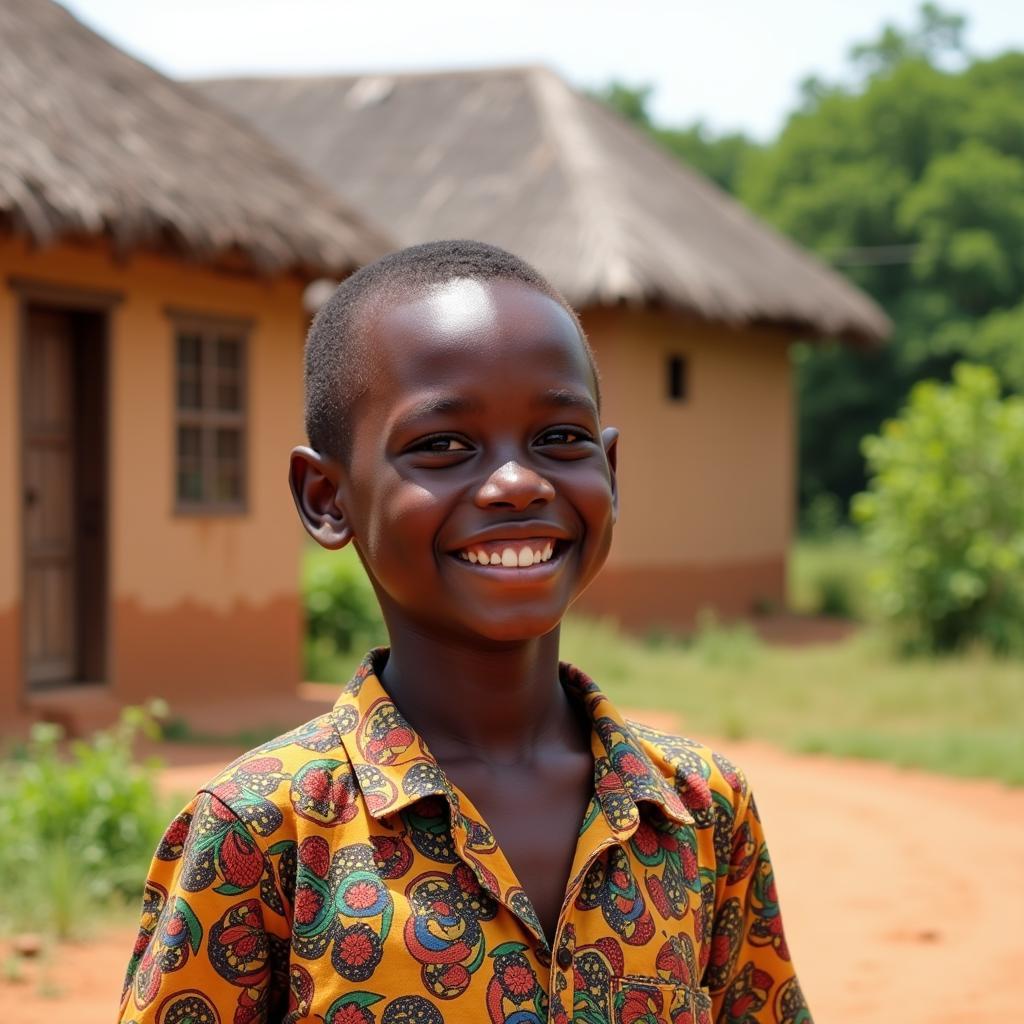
[(473, 833)]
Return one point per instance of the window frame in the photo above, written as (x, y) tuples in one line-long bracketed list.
[(210, 329)]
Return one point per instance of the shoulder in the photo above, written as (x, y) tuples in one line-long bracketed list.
[(706, 780), (305, 772)]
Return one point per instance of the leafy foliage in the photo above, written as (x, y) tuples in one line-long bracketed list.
[(719, 157), (911, 180), (76, 831), (908, 176), (945, 515), (342, 614)]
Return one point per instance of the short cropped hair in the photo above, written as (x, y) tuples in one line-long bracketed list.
[(336, 370)]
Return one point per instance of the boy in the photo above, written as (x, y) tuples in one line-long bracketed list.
[(473, 834)]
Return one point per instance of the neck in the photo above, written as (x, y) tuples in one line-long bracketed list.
[(493, 703)]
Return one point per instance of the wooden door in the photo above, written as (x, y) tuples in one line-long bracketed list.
[(49, 488)]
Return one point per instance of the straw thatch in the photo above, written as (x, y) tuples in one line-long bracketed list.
[(518, 158), (94, 143)]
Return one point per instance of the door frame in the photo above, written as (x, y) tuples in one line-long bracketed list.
[(66, 299)]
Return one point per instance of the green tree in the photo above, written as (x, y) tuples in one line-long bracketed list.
[(908, 177), (719, 157), (911, 181), (945, 515)]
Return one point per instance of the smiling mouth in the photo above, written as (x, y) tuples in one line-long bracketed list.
[(512, 554)]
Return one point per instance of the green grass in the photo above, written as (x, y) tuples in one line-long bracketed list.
[(958, 716), (829, 576)]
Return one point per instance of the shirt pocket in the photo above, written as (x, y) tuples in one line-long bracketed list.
[(639, 1001)]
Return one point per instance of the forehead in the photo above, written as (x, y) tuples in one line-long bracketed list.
[(468, 333)]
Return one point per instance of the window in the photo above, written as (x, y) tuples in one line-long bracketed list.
[(211, 420), (676, 378)]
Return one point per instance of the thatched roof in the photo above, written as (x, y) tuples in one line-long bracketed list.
[(94, 143), (518, 158)]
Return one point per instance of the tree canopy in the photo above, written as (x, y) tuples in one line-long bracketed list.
[(908, 176)]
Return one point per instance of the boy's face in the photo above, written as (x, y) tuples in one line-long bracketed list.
[(477, 441)]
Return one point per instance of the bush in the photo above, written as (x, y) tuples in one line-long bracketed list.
[(342, 614), (945, 516), (76, 832)]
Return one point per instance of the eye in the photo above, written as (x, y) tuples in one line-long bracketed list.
[(442, 443), (563, 436)]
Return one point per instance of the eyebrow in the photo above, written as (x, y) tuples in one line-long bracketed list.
[(440, 404), (566, 399)]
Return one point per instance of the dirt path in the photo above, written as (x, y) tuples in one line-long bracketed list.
[(903, 896)]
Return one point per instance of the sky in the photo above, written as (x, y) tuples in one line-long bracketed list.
[(735, 65)]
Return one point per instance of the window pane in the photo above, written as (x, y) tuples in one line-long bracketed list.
[(227, 483), (190, 482), (228, 353), (676, 378), (190, 348), (188, 443), (189, 394), (229, 443), (229, 393)]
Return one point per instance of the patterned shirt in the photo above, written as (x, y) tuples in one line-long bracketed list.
[(336, 875)]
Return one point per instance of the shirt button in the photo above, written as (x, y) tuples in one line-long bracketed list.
[(564, 958)]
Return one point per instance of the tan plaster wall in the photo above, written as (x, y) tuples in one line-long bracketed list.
[(177, 568), (706, 485), (10, 488)]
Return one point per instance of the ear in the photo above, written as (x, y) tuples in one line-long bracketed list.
[(316, 482), (610, 440)]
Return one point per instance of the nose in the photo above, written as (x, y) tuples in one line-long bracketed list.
[(514, 486)]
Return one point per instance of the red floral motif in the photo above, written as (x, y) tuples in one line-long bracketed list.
[(225, 793), (316, 784), (646, 839), (721, 948), (307, 904), (632, 765), (355, 948), (361, 895), (518, 979), (174, 837), (350, 1015), (689, 861), (656, 891), (242, 861), (315, 854), (640, 1004)]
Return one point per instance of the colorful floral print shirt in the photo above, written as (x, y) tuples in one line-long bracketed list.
[(335, 875)]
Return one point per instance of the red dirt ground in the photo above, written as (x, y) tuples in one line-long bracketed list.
[(903, 895)]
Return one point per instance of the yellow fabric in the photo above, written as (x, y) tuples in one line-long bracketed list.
[(335, 875)]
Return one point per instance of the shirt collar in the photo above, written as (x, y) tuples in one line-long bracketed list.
[(394, 769)]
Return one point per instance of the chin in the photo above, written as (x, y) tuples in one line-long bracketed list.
[(517, 628)]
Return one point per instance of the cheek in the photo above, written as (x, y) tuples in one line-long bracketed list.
[(401, 531)]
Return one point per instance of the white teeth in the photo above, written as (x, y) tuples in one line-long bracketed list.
[(509, 557)]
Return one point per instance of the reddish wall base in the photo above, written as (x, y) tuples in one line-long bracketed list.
[(11, 696), (189, 654), (672, 597)]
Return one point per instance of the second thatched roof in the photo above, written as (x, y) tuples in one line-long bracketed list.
[(517, 158), (95, 143)]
